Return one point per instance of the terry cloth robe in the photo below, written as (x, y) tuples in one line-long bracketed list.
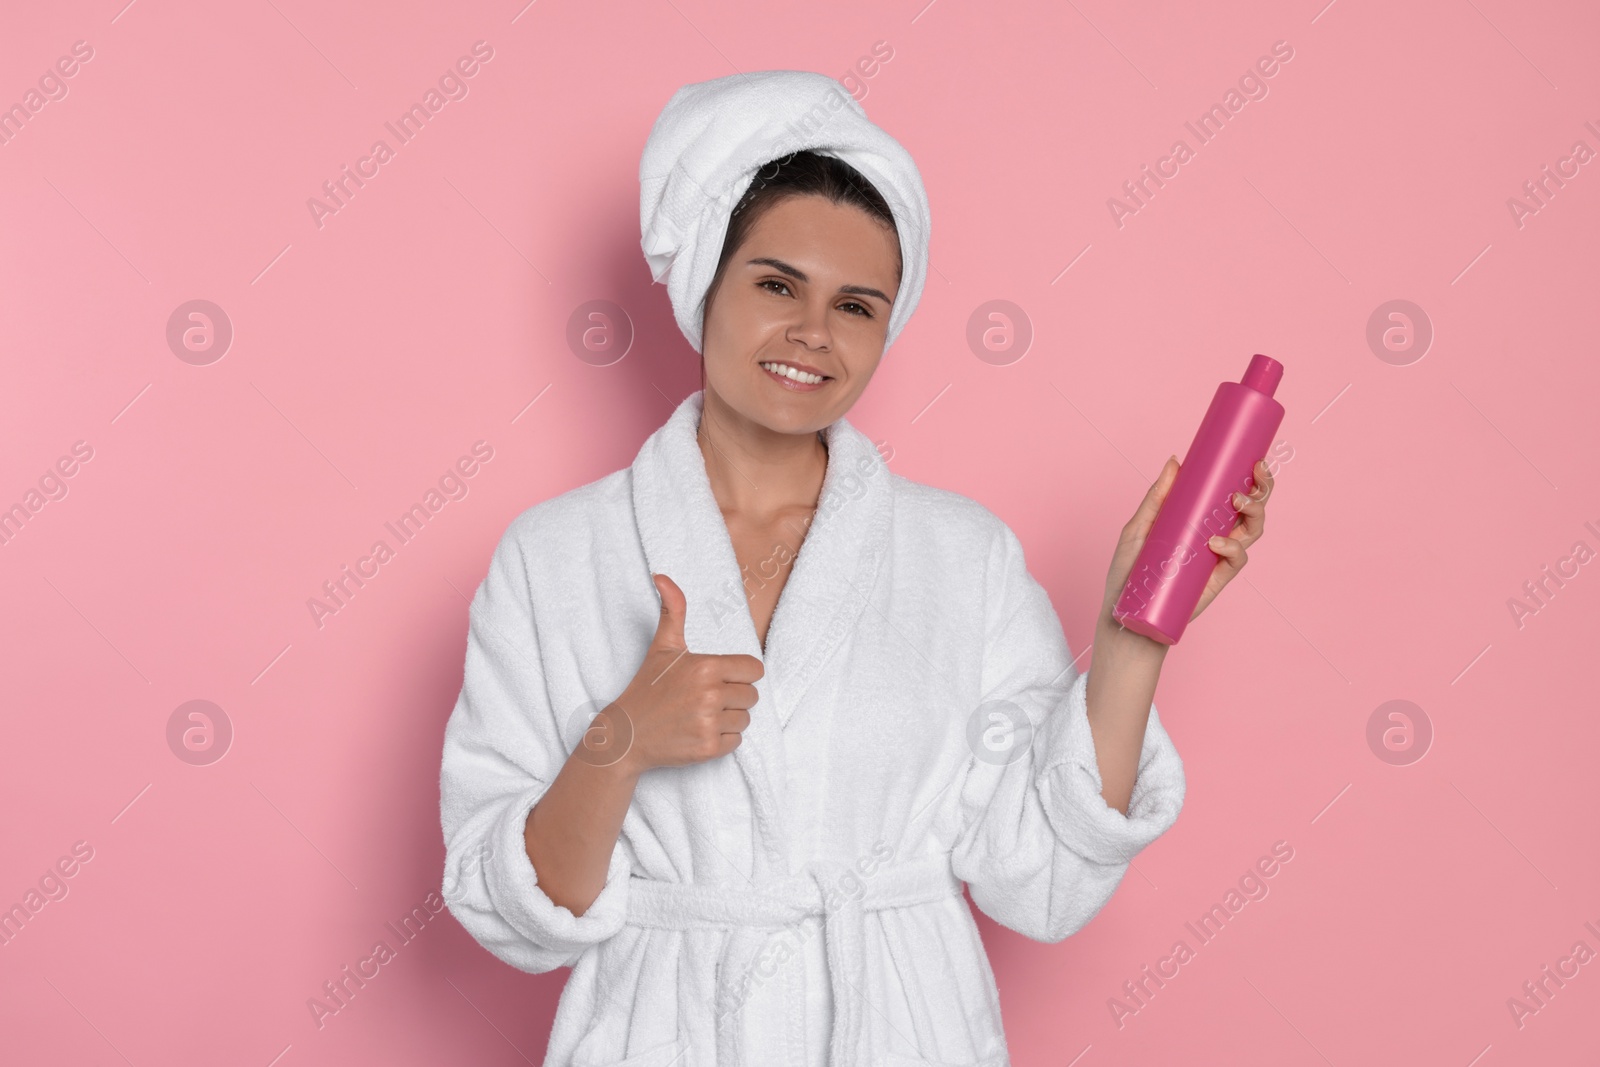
[(798, 901)]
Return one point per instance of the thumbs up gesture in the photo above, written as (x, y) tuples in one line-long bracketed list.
[(685, 707)]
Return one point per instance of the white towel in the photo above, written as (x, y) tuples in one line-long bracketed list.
[(705, 148)]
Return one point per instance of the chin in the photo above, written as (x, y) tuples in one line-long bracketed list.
[(801, 414), (796, 423)]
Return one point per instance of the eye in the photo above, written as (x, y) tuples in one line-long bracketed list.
[(862, 311)]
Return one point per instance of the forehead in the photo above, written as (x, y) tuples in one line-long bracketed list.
[(823, 238)]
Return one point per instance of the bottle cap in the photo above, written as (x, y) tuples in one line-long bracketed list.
[(1263, 374)]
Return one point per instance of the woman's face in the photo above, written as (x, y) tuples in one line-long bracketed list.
[(810, 288)]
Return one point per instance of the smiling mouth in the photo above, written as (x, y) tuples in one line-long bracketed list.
[(794, 377)]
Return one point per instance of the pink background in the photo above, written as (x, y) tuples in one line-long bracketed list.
[(432, 312)]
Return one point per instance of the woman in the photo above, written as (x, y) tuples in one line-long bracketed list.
[(739, 721)]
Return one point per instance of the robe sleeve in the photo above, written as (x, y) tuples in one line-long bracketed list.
[(1039, 848), (502, 748)]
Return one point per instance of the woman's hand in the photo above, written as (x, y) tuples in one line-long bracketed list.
[(1252, 508), (1232, 548), (681, 707)]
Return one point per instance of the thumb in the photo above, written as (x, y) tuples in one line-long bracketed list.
[(674, 606), (1145, 516)]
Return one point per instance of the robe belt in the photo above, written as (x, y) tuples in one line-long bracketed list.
[(839, 893)]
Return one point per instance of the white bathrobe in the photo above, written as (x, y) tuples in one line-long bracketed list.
[(797, 902)]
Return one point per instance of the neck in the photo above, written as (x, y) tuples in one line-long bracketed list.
[(757, 473)]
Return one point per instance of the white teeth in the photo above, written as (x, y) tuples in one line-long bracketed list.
[(789, 372)]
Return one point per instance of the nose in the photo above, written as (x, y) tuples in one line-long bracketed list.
[(810, 326)]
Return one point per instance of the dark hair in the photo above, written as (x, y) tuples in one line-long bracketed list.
[(801, 173)]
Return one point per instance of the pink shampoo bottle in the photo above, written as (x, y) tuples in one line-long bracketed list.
[(1172, 568)]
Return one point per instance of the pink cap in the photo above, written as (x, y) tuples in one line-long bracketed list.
[(1263, 374)]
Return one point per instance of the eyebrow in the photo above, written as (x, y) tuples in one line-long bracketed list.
[(800, 276)]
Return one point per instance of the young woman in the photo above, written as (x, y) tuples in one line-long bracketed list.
[(739, 721)]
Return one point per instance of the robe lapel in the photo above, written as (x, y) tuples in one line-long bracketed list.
[(685, 537), (838, 564)]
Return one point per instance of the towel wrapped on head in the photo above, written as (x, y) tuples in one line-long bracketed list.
[(706, 147)]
